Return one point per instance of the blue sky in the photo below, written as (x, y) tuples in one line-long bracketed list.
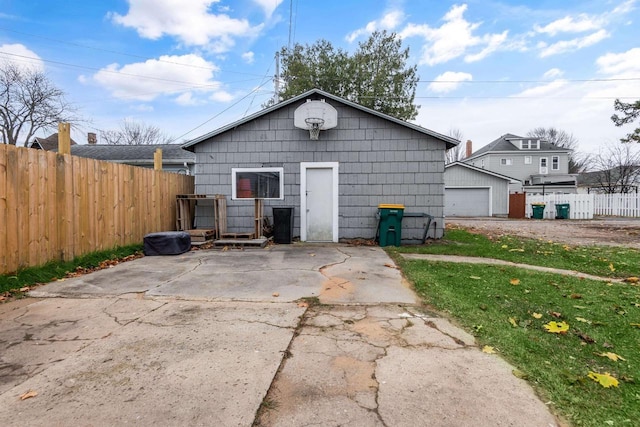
[(190, 66)]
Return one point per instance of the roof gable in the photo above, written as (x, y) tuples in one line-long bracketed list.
[(504, 143), (449, 141), (477, 169)]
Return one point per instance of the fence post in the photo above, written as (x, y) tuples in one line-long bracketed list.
[(157, 159), (64, 138)]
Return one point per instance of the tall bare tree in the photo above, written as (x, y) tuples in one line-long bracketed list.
[(132, 132), (618, 169), (456, 153), (29, 102), (578, 162)]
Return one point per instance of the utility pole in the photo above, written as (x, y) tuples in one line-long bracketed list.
[(276, 80)]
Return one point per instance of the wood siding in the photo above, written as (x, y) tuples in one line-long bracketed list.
[(57, 207)]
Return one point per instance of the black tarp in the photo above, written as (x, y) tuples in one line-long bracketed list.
[(167, 243)]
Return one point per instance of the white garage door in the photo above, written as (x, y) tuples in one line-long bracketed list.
[(467, 202)]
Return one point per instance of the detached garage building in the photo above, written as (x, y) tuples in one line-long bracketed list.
[(472, 191), (334, 179)]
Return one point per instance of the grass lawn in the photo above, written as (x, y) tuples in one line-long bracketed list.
[(607, 261), (12, 283), (509, 315)]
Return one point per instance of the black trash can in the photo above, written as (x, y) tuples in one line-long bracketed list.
[(283, 224)]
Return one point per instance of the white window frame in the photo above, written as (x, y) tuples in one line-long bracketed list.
[(524, 144), (506, 162), (528, 160), (235, 171), (546, 165), (555, 163)]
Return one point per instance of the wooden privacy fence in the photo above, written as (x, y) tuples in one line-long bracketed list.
[(56, 207), (580, 205)]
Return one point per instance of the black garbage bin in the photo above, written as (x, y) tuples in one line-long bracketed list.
[(283, 224)]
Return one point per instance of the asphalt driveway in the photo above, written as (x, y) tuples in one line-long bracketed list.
[(232, 338)]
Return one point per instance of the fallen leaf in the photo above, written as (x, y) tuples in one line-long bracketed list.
[(312, 254), (28, 394), (504, 246), (607, 345), (605, 380), (555, 314), (586, 339), (475, 277), (513, 322), (583, 320), (275, 294), (612, 356), (488, 349), (557, 327), (611, 267), (632, 280), (575, 296), (25, 289), (537, 315), (390, 266), (637, 325), (514, 282), (516, 250), (303, 304), (519, 374), (579, 307)]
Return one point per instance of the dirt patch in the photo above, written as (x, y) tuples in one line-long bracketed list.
[(336, 288), (607, 231)]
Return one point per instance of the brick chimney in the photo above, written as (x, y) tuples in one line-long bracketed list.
[(469, 149), (92, 138)]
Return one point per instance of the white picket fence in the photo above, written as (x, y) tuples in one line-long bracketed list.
[(585, 206), (580, 205), (617, 204)]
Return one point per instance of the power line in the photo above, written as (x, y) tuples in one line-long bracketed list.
[(126, 54), (221, 112), (66, 64), (533, 81)]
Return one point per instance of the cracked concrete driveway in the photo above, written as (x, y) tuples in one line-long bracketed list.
[(220, 338)]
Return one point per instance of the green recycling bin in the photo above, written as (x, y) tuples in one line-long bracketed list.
[(390, 226), (538, 211), (562, 211)]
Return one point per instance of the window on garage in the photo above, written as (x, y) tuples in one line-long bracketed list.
[(257, 183)]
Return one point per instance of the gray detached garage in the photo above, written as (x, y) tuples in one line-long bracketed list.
[(472, 191), (335, 182)]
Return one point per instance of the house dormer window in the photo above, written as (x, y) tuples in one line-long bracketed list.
[(529, 144)]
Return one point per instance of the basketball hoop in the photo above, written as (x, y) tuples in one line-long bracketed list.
[(314, 124)]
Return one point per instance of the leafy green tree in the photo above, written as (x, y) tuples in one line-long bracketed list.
[(630, 112), (376, 75)]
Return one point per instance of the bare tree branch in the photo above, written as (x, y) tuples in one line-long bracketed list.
[(135, 133), (618, 169), (29, 102), (578, 162), (456, 153)]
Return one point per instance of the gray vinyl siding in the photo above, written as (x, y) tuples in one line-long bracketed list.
[(460, 176), (518, 169), (379, 162)]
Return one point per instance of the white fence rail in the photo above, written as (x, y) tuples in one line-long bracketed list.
[(585, 206), (617, 204), (580, 205)]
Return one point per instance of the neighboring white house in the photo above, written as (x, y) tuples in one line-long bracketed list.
[(471, 191), (542, 167)]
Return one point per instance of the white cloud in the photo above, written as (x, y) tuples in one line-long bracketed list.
[(542, 90), (248, 57), (449, 81), (574, 44), (186, 99), (389, 21), (620, 64), (21, 56), (269, 6), (222, 96), (568, 24), (190, 21), (454, 38), (145, 81), (553, 73)]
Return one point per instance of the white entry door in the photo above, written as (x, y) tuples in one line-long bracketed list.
[(319, 202)]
